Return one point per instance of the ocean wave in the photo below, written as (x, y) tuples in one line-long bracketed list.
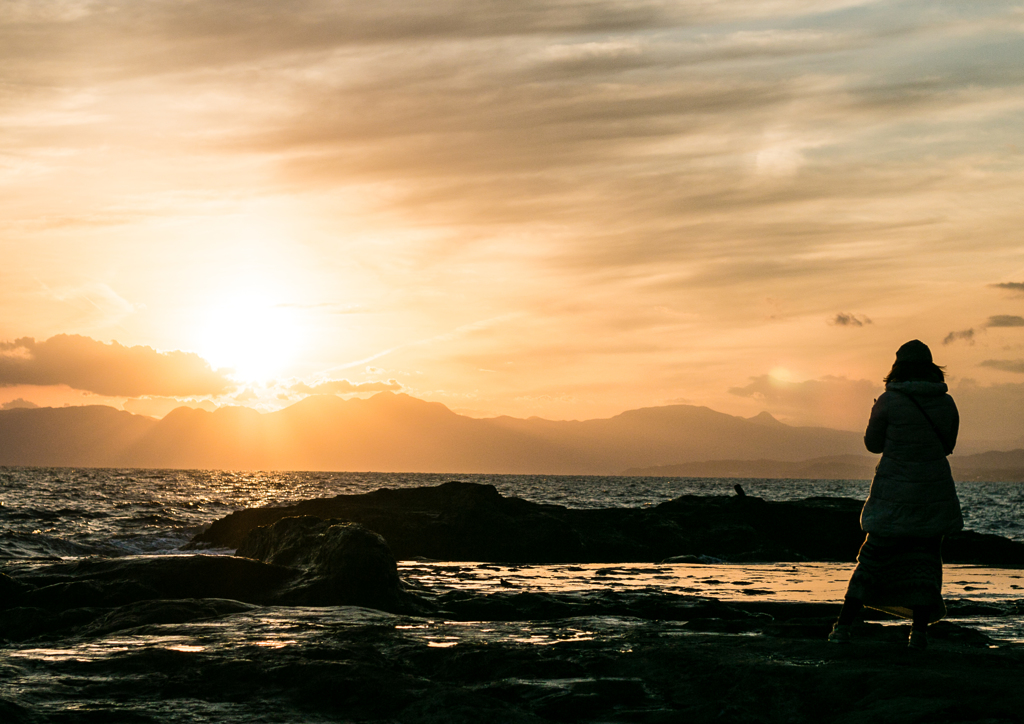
[(43, 514), (147, 520), (24, 546)]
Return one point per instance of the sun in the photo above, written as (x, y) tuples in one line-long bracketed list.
[(250, 332)]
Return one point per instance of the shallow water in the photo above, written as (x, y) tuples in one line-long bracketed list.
[(808, 582), (996, 587)]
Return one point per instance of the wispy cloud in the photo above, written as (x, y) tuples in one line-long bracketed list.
[(460, 331), (1005, 365), (842, 319), (963, 335), (1017, 287), (1005, 320)]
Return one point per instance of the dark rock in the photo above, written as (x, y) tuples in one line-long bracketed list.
[(209, 660), (466, 521), (532, 606), (13, 713), (20, 624), (341, 563), (982, 549), (455, 705), (988, 609), (963, 635), (453, 521), (589, 699), (120, 581), (328, 563), (471, 522), (11, 592), (149, 613), (332, 564)]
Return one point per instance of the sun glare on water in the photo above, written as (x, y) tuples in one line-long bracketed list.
[(250, 333)]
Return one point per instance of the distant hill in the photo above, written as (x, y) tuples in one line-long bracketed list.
[(396, 432), (1008, 466), (835, 467), (88, 436), (997, 466)]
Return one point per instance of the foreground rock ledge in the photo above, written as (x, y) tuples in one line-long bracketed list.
[(473, 522), (356, 665)]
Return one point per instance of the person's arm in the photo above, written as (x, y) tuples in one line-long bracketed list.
[(878, 423), (954, 428)]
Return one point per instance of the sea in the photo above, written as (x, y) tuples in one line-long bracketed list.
[(65, 514), (70, 512)]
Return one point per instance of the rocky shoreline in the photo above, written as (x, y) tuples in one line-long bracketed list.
[(311, 621), (472, 522)]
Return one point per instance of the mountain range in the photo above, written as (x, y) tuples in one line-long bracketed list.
[(397, 433), (1000, 466)]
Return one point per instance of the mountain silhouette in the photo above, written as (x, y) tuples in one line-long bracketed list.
[(397, 433)]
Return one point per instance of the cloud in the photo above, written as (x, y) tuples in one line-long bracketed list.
[(18, 404), (1006, 365), (1005, 320), (108, 369), (94, 304), (1017, 287), (842, 319), (225, 32), (342, 387), (966, 335), (830, 401)]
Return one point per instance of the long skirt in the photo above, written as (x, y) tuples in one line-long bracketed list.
[(897, 575)]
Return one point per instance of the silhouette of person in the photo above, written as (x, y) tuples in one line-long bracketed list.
[(912, 502)]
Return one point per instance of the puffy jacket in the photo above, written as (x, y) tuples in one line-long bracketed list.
[(912, 493)]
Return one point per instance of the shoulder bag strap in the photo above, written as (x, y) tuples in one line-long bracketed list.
[(946, 447)]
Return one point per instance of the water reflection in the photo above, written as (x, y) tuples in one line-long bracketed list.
[(804, 582)]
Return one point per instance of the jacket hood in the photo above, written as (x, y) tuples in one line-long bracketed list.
[(918, 387)]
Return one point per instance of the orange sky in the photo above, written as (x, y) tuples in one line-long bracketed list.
[(560, 208)]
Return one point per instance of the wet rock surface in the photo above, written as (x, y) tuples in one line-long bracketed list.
[(210, 660), (473, 522), (327, 564), (341, 563)]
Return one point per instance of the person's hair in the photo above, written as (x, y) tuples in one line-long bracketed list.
[(915, 370)]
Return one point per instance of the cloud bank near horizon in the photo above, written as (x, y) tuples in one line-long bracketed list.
[(113, 370), (343, 387)]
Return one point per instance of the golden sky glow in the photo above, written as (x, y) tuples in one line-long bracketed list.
[(561, 208)]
